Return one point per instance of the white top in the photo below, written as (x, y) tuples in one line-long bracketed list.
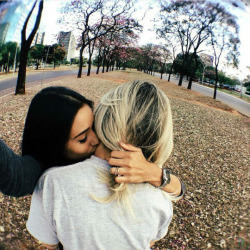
[(62, 209)]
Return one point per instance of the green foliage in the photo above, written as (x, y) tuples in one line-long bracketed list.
[(37, 52), (7, 53), (58, 53), (51, 54), (76, 60), (247, 85), (186, 63)]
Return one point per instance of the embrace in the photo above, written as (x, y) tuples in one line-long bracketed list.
[(88, 174)]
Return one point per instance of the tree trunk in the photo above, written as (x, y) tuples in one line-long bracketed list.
[(162, 69), (193, 72), (170, 73), (190, 82), (98, 62), (107, 67), (25, 46), (89, 65), (216, 81), (21, 78), (180, 80), (80, 63), (103, 63), (98, 65)]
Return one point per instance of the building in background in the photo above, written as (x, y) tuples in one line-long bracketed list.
[(208, 60), (3, 31), (38, 38), (68, 41), (12, 17)]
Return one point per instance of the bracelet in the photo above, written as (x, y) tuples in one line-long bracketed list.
[(165, 178), (183, 190)]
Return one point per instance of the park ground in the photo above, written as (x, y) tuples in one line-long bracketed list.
[(211, 155)]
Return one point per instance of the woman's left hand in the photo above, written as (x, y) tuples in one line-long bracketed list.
[(132, 167)]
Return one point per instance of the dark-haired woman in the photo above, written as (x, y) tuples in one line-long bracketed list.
[(56, 134)]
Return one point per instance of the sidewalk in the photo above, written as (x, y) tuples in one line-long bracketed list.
[(3, 76), (235, 102)]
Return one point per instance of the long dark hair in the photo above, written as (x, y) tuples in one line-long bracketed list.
[(48, 124)]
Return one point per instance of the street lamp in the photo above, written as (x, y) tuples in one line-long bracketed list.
[(204, 67), (45, 63), (14, 64)]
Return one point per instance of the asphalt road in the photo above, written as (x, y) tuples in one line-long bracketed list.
[(8, 86), (35, 77), (234, 102)]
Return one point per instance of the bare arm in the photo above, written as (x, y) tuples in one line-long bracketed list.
[(134, 168)]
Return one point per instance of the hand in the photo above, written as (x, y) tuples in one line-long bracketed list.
[(133, 167)]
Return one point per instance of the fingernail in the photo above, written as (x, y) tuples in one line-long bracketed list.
[(122, 143)]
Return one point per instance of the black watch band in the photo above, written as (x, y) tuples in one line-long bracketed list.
[(165, 178)]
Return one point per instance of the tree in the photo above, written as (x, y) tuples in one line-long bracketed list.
[(184, 64), (189, 30), (163, 55), (37, 52), (54, 53), (247, 85), (173, 46), (25, 46), (191, 23), (224, 36), (7, 54), (94, 19)]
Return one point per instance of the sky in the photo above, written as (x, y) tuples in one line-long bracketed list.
[(51, 14)]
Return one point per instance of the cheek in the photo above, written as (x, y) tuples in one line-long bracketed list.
[(80, 148), (76, 150)]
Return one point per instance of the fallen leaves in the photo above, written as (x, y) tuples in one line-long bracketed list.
[(211, 155)]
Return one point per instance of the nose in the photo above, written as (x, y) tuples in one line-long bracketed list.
[(94, 140)]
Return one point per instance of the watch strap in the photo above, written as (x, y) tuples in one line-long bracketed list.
[(165, 178)]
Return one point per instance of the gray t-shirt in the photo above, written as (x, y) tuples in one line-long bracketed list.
[(63, 209)]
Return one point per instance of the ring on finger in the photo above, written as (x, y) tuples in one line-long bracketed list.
[(116, 171)]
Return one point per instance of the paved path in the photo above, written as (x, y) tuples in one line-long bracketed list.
[(234, 102)]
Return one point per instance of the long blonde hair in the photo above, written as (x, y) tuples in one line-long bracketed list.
[(138, 113)]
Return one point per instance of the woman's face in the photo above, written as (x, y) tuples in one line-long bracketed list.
[(82, 140)]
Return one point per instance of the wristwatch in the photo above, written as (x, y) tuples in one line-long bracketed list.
[(165, 177)]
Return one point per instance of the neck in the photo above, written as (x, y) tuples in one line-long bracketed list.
[(102, 152)]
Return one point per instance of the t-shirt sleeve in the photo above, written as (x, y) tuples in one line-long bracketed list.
[(40, 222), (165, 218), (164, 229)]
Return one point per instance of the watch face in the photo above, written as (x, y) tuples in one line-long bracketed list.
[(166, 176)]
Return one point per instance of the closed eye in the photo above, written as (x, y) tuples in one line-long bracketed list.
[(83, 140)]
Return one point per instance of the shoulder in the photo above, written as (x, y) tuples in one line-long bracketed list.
[(150, 194), (71, 175)]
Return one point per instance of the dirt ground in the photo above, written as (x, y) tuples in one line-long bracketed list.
[(211, 155)]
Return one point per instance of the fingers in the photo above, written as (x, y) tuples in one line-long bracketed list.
[(123, 162), (120, 154), (129, 147), (125, 179), (124, 175)]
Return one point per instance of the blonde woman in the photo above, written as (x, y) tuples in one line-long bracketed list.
[(83, 207)]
